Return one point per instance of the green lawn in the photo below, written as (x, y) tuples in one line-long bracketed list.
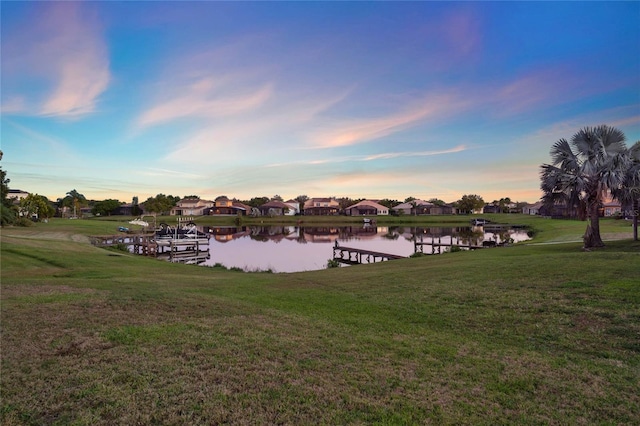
[(531, 334)]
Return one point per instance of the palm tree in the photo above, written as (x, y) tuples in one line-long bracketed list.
[(583, 171), (629, 192)]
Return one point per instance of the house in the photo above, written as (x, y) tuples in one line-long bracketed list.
[(274, 208), (294, 207), (17, 195), (412, 208), (611, 208), (226, 207), (192, 207), (491, 208), (421, 207), (321, 207), (532, 209), (366, 207)]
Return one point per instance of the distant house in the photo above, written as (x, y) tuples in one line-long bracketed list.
[(294, 207), (17, 195), (611, 208), (366, 207), (192, 207), (491, 208), (124, 210), (532, 209), (321, 207), (226, 207), (274, 208), (559, 210), (413, 208), (421, 207)]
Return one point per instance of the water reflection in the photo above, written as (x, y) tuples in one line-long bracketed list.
[(293, 248)]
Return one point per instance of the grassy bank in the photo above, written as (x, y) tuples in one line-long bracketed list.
[(533, 334)]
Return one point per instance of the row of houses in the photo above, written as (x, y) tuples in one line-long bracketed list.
[(330, 206), (312, 207), (223, 206)]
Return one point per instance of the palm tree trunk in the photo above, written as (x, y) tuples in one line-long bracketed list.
[(592, 235), (635, 212)]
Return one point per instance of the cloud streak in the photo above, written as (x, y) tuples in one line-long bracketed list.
[(205, 98), (63, 46), (360, 131)]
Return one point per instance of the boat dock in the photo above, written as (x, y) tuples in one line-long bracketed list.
[(356, 256), (436, 245)]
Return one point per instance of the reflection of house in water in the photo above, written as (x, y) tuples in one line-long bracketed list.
[(227, 233), (321, 234), (358, 232), (272, 233)]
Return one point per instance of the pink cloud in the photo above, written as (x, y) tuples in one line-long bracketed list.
[(62, 45), (360, 131)]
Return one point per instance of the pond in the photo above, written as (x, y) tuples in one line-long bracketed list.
[(293, 248)]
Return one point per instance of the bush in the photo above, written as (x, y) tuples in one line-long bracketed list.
[(332, 263), (23, 221)]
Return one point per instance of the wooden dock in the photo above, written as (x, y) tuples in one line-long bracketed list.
[(147, 244), (356, 256), (436, 246)]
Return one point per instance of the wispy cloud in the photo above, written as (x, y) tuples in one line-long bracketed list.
[(390, 155), (373, 157), (156, 172), (358, 131), (63, 45), (205, 98)]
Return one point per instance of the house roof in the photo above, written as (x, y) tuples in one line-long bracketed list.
[(536, 205), (409, 205), (240, 205), (368, 203), (311, 201), (275, 204)]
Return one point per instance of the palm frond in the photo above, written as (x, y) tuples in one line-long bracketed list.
[(562, 155)]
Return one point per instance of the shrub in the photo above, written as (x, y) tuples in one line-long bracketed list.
[(332, 263), (23, 221)]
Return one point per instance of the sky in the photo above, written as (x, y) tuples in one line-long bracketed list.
[(347, 99)]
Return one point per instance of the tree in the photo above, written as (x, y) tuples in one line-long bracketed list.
[(277, 198), (74, 200), (257, 201), (135, 207), (160, 203), (105, 208), (437, 202), (388, 203), (468, 203), (302, 199), (7, 210), (583, 171), (629, 192), (36, 205)]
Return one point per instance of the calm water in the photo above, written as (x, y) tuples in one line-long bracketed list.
[(292, 249)]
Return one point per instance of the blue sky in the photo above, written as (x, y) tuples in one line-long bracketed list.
[(358, 99)]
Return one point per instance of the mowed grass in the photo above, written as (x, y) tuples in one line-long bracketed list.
[(531, 334)]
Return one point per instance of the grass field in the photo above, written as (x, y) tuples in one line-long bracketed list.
[(539, 333)]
